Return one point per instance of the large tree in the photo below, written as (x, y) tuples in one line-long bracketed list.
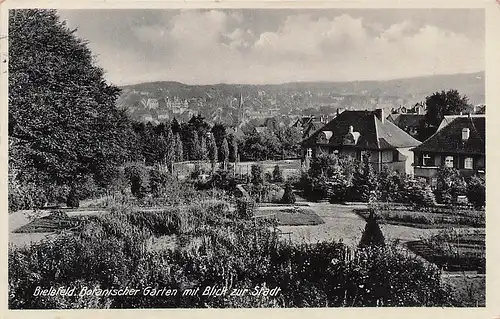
[(438, 105), (63, 122)]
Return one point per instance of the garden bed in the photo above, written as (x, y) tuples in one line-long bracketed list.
[(291, 216), (436, 218), (453, 251), (56, 221)]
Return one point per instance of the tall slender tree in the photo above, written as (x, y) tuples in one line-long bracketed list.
[(178, 148), (224, 150), (203, 149), (212, 150)]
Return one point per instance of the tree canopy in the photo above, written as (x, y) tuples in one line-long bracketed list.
[(438, 105), (63, 123)]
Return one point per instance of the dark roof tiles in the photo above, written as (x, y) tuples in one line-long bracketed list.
[(373, 133), (449, 138)]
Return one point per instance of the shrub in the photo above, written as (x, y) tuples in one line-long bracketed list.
[(288, 196), (268, 177), (73, 200), (87, 187), (137, 175), (449, 185), (245, 208), (476, 192), (257, 174), (158, 181), (224, 180), (372, 235), (277, 175), (364, 180), (417, 192)]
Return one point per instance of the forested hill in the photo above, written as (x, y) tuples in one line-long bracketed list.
[(222, 100)]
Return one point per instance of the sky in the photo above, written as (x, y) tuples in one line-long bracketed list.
[(258, 46)]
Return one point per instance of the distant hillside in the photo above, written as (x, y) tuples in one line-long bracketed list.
[(221, 102)]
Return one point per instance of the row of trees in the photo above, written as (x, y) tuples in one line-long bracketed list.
[(272, 142), (170, 142), (339, 178)]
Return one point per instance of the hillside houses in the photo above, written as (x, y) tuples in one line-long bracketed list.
[(356, 133)]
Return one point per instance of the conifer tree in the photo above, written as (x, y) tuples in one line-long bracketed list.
[(212, 150), (178, 148), (372, 235), (203, 149), (224, 152), (288, 196)]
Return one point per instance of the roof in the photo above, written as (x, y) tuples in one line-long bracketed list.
[(406, 120), (449, 118), (373, 133), (449, 138), (313, 126)]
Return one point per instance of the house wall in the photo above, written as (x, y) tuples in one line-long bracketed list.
[(431, 170), (408, 163)]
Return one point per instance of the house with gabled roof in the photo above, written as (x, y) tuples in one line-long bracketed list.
[(355, 133), (458, 143)]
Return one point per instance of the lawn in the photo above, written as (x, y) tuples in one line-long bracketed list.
[(291, 216)]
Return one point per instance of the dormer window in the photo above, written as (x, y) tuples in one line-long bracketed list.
[(351, 138), (465, 134)]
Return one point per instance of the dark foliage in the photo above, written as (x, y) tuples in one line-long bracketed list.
[(372, 235), (288, 195)]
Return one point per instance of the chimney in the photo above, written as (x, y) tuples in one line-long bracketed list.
[(351, 129), (380, 114), (338, 111), (465, 134)]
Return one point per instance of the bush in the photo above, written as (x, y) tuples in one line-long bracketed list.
[(268, 177), (418, 193), (277, 175), (288, 196), (87, 187), (137, 175), (365, 181), (450, 185), (224, 180), (257, 174), (158, 182), (476, 192), (73, 200), (245, 208)]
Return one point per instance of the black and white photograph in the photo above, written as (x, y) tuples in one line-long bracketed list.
[(245, 157)]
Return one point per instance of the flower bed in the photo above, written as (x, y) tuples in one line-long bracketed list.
[(291, 216)]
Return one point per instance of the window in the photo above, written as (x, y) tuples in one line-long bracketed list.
[(395, 156), (448, 161), (469, 163), (426, 160)]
